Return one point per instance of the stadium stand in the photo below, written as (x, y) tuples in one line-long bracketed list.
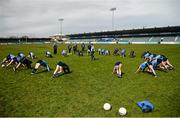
[(140, 39), (148, 35), (23, 40)]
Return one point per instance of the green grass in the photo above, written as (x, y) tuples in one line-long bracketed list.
[(90, 85)]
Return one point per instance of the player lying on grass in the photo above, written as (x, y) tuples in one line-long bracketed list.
[(31, 55), (146, 64), (7, 59), (48, 54), (118, 69), (61, 68), (24, 62), (40, 63)]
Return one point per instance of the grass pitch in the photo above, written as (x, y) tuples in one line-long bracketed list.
[(91, 84)]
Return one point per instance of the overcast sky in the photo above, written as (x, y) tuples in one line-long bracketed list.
[(39, 18)]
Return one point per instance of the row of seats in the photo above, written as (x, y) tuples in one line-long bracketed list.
[(150, 39)]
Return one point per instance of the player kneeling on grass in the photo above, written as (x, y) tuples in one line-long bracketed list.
[(48, 54), (31, 55), (146, 64), (40, 63), (24, 62), (117, 69), (61, 68)]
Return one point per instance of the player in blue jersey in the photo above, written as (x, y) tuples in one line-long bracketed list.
[(156, 62), (7, 59), (24, 62), (15, 60), (118, 69), (61, 68), (165, 61), (20, 55), (152, 56), (123, 53), (40, 63), (146, 64), (145, 54)]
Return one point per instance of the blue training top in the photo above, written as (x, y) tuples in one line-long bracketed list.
[(147, 55), (16, 59), (144, 65), (10, 56), (151, 56), (42, 63), (158, 57)]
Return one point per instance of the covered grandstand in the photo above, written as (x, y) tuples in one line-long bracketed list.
[(24, 40), (145, 35), (163, 35)]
